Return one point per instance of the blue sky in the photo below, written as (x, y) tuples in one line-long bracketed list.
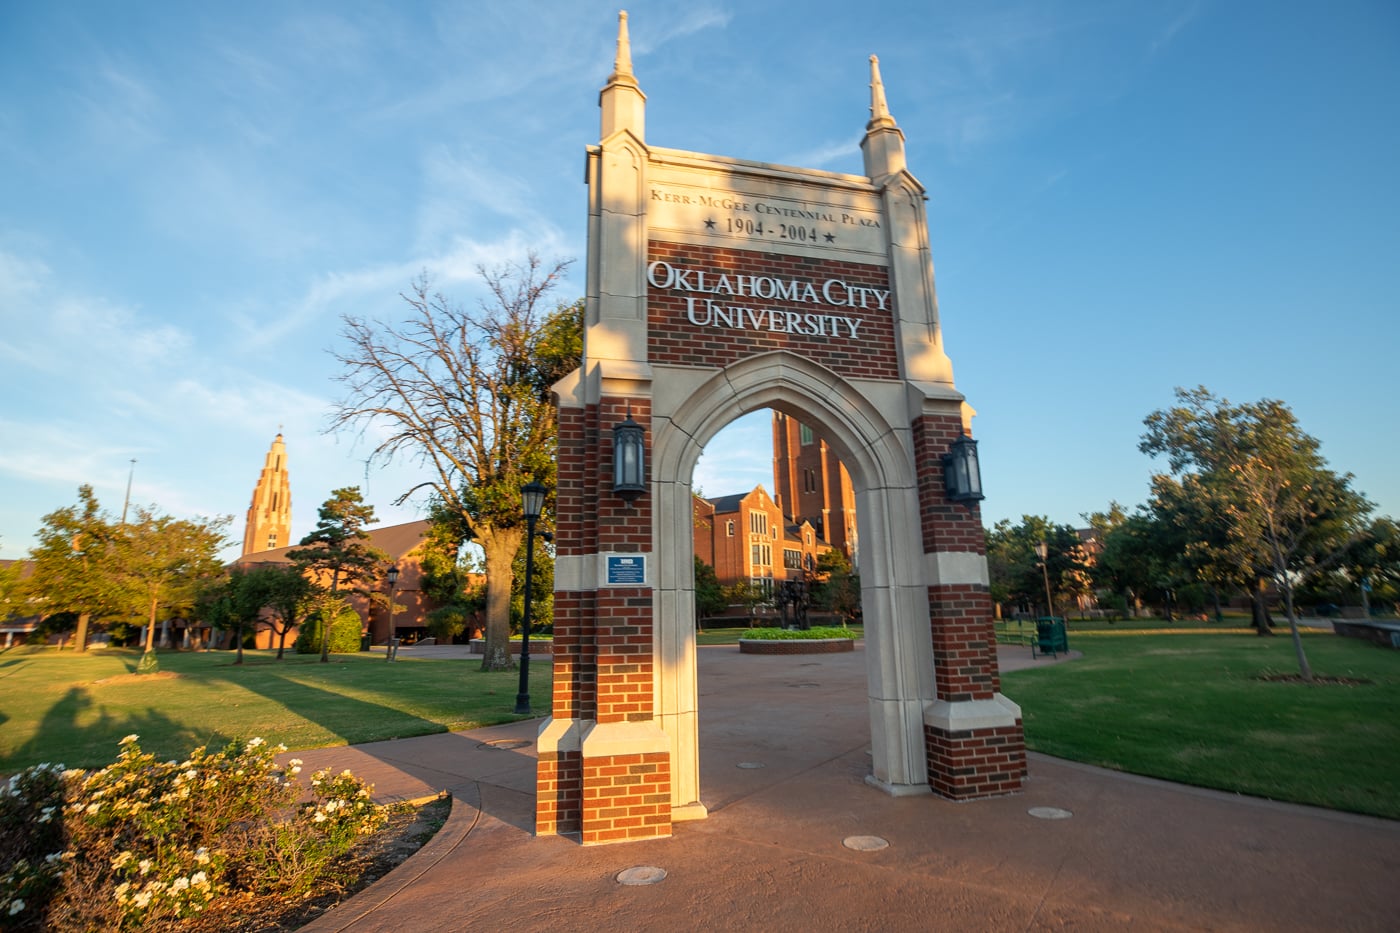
[(1123, 197)]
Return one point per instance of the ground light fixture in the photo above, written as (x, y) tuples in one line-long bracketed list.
[(532, 503), (962, 474), (391, 650), (629, 459)]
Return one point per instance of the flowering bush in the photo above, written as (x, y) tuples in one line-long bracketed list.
[(141, 842)]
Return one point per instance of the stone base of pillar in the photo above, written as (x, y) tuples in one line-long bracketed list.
[(559, 779), (626, 783), (976, 748)]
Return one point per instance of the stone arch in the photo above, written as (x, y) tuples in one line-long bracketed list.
[(878, 456), (806, 291)]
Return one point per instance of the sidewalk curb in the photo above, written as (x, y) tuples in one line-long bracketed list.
[(461, 820)]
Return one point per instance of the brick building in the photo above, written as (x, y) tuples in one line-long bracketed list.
[(812, 484), (746, 536)]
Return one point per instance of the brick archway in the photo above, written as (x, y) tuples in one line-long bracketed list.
[(718, 287)]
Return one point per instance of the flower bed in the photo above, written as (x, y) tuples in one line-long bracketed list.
[(787, 641)]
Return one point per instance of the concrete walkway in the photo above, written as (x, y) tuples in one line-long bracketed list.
[(784, 752)]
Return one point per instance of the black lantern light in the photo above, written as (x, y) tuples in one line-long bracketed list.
[(962, 475), (629, 459)]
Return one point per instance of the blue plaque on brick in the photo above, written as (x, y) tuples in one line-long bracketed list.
[(627, 571)]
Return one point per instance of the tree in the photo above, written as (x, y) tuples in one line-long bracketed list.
[(1014, 568), (466, 395), (746, 594), (709, 595), (233, 602), (338, 550), (837, 586), (73, 564), (160, 561), (450, 578), (289, 595), (1285, 512)]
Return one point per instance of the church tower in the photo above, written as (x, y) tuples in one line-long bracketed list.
[(269, 522)]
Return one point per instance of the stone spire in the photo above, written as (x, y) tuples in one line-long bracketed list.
[(269, 522), (883, 144), (621, 100), (879, 110)]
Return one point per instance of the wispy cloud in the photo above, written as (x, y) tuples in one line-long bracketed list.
[(1173, 28), (826, 153)]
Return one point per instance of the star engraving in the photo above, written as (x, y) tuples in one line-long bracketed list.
[(709, 224), (831, 238)]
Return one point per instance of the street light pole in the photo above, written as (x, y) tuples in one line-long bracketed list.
[(391, 650), (532, 498), (1042, 551)]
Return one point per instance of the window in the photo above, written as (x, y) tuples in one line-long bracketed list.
[(758, 523), (761, 555), (805, 434), (809, 480), (729, 528), (272, 541), (792, 560)]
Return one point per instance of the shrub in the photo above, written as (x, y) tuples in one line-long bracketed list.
[(785, 634), (345, 633), (140, 843)]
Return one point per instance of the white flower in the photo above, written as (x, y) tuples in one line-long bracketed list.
[(201, 857), (142, 899), (178, 885), (320, 816), (16, 906), (254, 743), (129, 739), (93, 808), (144, 865), (199, 879)]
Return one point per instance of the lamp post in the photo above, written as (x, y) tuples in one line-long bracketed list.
[(532, 499), (1042, 551), (392, 650)]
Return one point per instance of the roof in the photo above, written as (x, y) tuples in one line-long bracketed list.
[(394, 540)]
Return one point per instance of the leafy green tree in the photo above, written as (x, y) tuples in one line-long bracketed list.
[(450, 578), (709, 595), (340, 636), (465, 394), (289, 596), (233, 603), (1285, 512), (836, 587), (541, 589), (161, 561), (338, 551), (1014, 568), (74, 565), (748, 595), (1372, 563), (14, 601)]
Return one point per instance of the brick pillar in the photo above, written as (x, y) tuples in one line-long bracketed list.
[(973, 734), (604, 763)]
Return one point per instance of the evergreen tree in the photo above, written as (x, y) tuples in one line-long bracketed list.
[(337, 552)]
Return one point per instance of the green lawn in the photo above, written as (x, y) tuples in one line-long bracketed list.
[(73, 709), (1190, 707)]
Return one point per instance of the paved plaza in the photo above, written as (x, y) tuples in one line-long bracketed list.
[(784, 753)]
